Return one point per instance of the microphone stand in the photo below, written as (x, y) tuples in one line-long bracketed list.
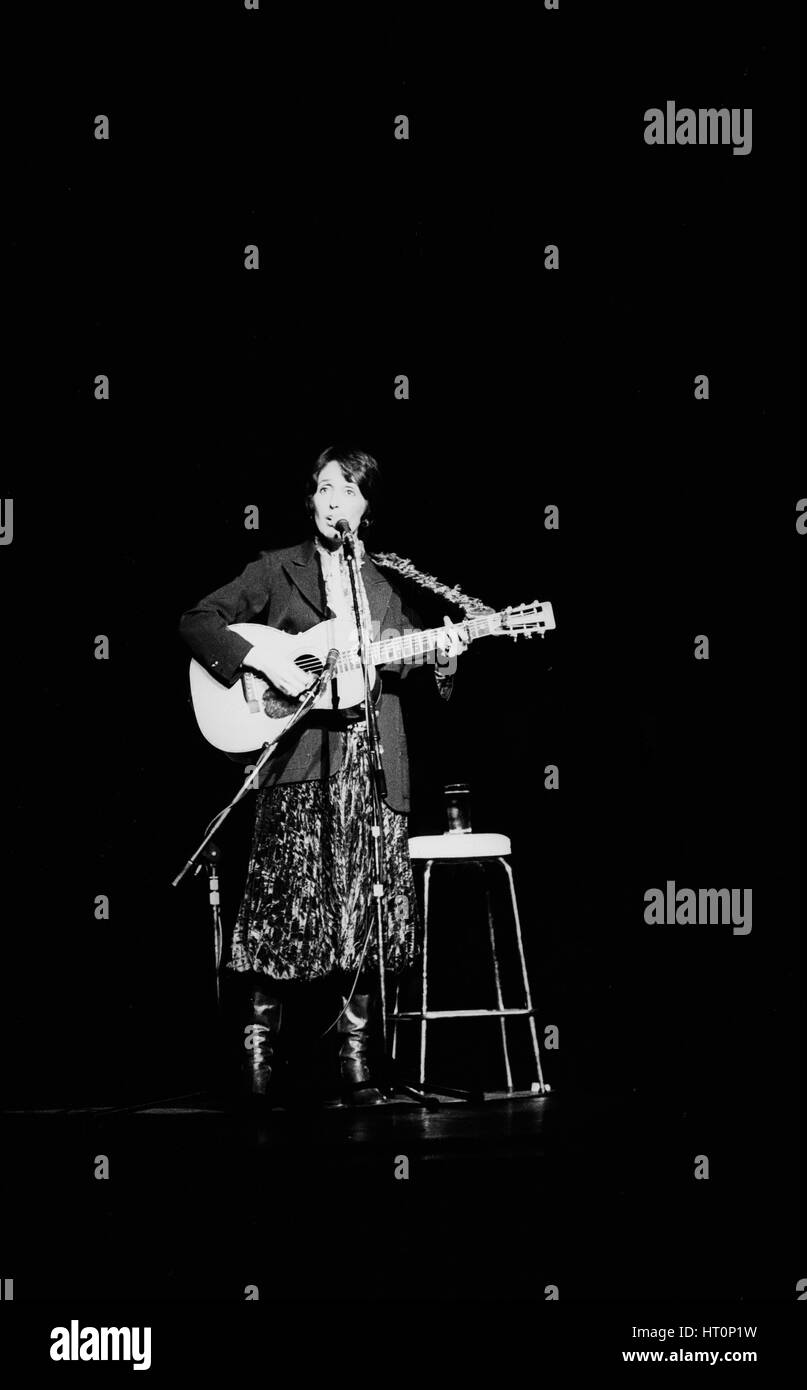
[(378, 789)]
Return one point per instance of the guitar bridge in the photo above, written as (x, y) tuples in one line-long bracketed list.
[(250, 693)]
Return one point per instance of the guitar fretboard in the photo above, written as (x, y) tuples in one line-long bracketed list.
[(416, 644)]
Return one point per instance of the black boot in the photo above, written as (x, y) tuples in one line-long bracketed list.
[(354, 1027), (260, 1035)]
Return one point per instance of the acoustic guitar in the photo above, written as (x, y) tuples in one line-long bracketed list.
[(240, 718)]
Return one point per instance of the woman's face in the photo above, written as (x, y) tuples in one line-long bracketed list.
[(334, 498)]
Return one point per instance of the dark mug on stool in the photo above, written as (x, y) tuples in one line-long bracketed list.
[(458, 808)]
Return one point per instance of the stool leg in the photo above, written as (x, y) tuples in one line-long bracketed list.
[(498, 983), (524, 975), (424, 979), (395, 1019)]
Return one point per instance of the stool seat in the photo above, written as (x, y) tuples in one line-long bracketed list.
[(458, 846)]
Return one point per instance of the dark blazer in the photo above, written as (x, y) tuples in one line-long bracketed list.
[(285, 589)]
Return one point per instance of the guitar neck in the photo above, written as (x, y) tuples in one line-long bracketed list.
[(416, 644)]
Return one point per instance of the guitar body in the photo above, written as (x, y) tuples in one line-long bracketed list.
[(253, 712)]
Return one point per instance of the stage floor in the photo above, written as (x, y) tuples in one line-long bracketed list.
[(593, 1194)]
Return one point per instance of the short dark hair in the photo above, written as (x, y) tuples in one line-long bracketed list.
[(357, 466)]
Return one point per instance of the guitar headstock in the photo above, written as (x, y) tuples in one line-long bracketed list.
[(527, 619)]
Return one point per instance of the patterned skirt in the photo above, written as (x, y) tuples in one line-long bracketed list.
[(308, 902)]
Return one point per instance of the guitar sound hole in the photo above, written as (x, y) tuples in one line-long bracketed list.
[(309, 663)]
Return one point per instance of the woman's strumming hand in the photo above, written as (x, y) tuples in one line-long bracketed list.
[(272, 661)]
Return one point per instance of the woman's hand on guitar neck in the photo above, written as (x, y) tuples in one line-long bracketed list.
[(450, 644)]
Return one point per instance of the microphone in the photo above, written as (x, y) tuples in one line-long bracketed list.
[(343, 527), (315, 689)]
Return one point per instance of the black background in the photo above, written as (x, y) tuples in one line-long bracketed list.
[(528, 388)]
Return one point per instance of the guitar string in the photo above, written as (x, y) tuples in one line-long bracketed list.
[(402, 565)]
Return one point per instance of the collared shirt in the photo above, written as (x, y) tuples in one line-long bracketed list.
[(338, 588)]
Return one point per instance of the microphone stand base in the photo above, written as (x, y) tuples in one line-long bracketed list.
[(427, 1095)]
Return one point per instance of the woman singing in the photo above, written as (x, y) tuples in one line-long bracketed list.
[(307, 911)]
